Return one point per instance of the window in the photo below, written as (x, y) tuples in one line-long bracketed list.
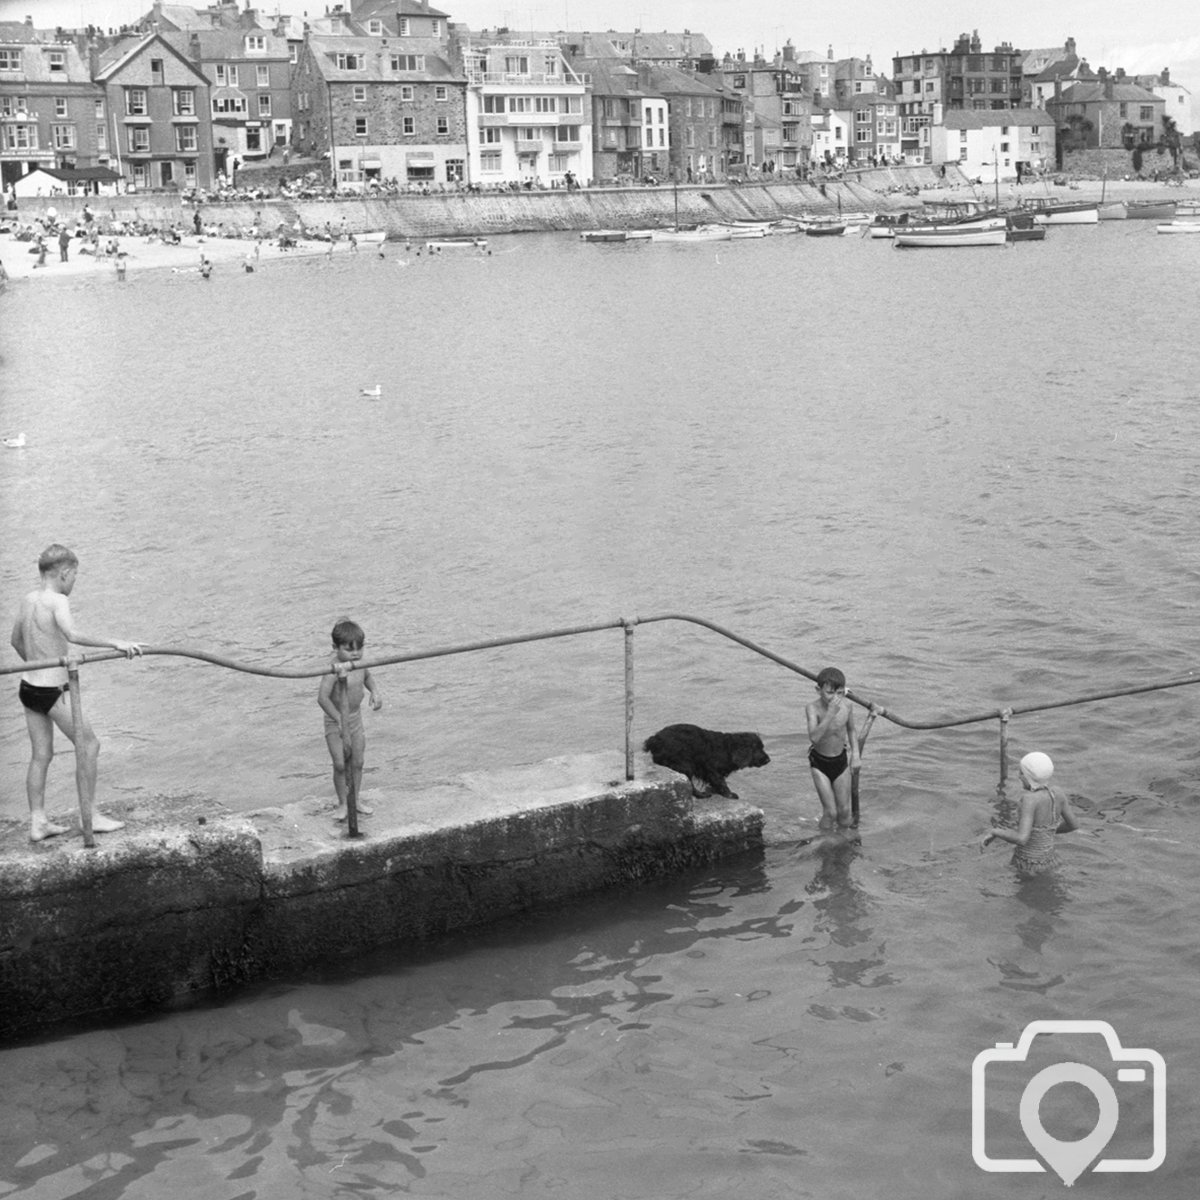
[(135, 102), (253, 141), (350, 62), (58, 60), (441, 92), (360, 126), (528, 135), (544, 104), (20, 137), (408, 126), (256, 43), (64, 136), (516, 65), (101, 137), (408, 62), (60, 106), (375, 27), (862, 135), (435, 29), (10, 60), (359, 93), (1147, 113), (490, 137), (262, 75), (229, 105), (567, 133), (156, 71), (264, 104), (100, 109), (185, 139), (404, 30), (406, 91), (185, 102), (443, 124), (559, 163), (1003, 147), (863, 116), (139, 139), (489, 163), (520, 104), (456, 168)]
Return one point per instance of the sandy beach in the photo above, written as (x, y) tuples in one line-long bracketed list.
[(140, 254)]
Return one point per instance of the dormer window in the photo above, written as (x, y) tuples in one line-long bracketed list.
[(404, 27), (256, 43), (350, 62), (58, 60), (375, 27)]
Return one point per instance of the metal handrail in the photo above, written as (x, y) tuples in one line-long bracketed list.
[(1002, 714)]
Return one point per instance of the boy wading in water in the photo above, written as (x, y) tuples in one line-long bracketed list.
[(833, 754), (43, 630), (348, 640)]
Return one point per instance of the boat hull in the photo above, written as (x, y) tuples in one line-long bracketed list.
[(1179, 227), (1087, 214), (1151, 210), (949, 237)]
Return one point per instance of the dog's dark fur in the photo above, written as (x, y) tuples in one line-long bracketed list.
[(705, 756)]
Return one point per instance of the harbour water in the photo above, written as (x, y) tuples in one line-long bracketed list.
[(968, 478)]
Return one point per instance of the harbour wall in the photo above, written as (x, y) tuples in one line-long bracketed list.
[(185, 903), (465, 213)]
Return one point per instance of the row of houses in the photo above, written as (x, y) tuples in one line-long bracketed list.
[(395, 92)]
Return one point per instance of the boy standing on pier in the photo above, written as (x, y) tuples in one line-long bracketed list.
[(833, 753), (44, 630), (348, 640)]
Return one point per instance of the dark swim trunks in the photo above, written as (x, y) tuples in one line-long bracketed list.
[(40, 699), (829, 767)]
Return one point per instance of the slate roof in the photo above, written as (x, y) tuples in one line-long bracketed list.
[(1096, 93), (376, 67), (964, 118)]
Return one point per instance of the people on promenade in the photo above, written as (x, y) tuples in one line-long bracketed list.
[(43, 630), (1044, 811), (348, 685), (834, 750), (64, 242)]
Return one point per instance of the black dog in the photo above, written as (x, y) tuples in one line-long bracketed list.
[(706, 756)]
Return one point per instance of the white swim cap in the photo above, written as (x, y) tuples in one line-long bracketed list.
[(1037, 767)]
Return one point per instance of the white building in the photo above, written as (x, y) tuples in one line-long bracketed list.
[(982, 142), (527, 115), (830, 138)]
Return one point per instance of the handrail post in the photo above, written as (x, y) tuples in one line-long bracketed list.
[(348, 763), (85, 800), (1005, 713), (628, 625)]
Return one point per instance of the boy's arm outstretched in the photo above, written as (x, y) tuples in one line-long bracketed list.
[(76, 636)]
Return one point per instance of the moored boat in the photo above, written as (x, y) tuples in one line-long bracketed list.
[(826, 229), (702, 233), (949, 236), (476, 243), (1151, 210), (1048, 212), (1192, 226)]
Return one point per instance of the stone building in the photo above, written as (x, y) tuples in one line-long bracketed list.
[(157, 108), (51, 113), (382, 107)]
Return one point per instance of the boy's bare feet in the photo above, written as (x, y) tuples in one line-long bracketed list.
[(103, 824), (40, 828), (363, 810)]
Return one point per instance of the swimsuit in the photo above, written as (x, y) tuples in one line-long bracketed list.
[(40, 699), (354, 724), (831, 768), (1038, 854)]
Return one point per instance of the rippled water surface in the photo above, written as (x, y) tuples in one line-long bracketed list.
[(968, 479)]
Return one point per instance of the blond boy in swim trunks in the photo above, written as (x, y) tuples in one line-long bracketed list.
[(43, 630), (833, 753), (348, 641)]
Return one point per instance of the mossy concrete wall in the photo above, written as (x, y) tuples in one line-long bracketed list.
[(184, 902)]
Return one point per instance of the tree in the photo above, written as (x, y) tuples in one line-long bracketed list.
[(1172, 140)]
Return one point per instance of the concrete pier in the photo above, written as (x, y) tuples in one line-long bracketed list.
[(185, 902)]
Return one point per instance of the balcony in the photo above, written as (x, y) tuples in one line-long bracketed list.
[(568, 147), (525, 146), (538, 79)]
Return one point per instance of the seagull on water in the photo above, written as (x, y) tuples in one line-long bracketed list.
[(15, 443), (373, 392)]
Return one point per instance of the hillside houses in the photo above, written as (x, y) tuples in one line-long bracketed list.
[(397, 94)]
